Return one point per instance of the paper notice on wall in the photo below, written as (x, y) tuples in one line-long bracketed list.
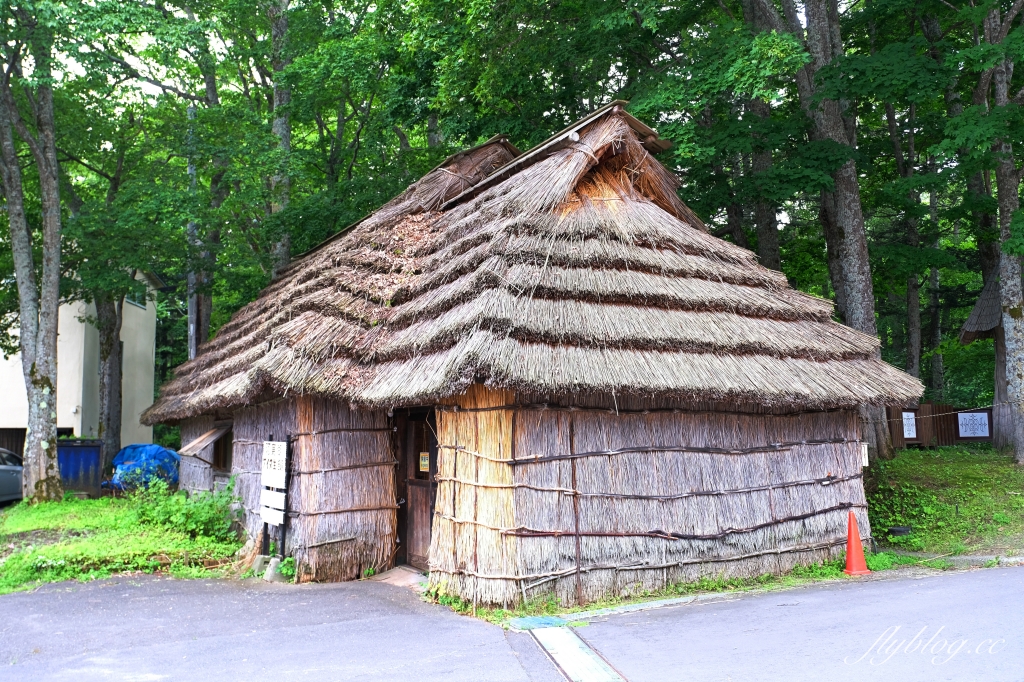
[(273, 471), (910, 425), (973, 424)]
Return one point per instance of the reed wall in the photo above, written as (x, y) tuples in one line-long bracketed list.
[(344, 519), (605, 503), (194, 473), (470, 554), (341, 494)]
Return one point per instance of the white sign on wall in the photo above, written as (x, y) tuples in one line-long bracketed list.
[(274, 517), (909, 425), (272, 498), (973, 424), (274, 460)]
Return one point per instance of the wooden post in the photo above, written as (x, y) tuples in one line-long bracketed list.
[(576, 513)]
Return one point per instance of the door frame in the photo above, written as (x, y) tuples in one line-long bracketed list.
[(407, 455)]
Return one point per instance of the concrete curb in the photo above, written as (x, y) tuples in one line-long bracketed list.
[(966, 560), (537, 622)]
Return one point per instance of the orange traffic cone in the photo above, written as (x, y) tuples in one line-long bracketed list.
[(855, 564)]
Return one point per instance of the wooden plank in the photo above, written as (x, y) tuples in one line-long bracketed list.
[(193, 448), (945, 424), (418, 533), (895, 418), (926, 425)]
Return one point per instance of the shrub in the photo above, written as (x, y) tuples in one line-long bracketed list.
[(201, 514)]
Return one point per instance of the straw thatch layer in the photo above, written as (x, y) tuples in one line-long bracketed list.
[(585, 504), (574, 269)]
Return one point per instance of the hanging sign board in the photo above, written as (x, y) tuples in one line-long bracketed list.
[(910, 425), (274, 517), (973, 424), (272, 498), (274, 459), (424, 461), (864, 455)]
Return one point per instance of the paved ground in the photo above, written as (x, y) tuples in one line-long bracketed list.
[(161, 629), (149, 629), (970, 624)]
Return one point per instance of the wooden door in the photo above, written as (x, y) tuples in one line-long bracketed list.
[(421, 488)]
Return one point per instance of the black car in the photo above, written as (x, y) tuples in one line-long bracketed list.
[(10, 476)]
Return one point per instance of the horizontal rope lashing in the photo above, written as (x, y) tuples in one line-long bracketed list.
[(642, 567), (620, 411), (771, 447), (328, 542), (523, 532), (241, 441), (683, 536), (367, 465), (828, 480), (320, 433), (343, 511)]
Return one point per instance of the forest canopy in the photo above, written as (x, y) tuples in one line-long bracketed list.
[(209, 142)]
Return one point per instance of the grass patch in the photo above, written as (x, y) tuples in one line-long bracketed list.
[(801, 575), (89, 539), (957, 500)]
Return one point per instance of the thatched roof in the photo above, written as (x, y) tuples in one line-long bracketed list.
[(573, 268), (986, 315)]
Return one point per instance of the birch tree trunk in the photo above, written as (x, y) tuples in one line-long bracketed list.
[(1011, 294), (39, 301)]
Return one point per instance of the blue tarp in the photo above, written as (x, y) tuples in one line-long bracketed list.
[(138, 464)]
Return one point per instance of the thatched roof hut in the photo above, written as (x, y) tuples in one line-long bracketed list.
[(565, 306)]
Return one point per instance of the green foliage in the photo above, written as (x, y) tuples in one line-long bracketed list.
[(206, 514), (956, 500), (287, 568), (91, 539)]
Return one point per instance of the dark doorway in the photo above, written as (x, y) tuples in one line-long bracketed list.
[(417, 442)]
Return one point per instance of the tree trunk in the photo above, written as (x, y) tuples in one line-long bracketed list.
[(1011, 295), (846, 235), (913, 326), (734, 219), (434, 137), (109, 316), (1002, 415), (280, 183), (765, 213), (935, 315), (833, 251), (39, 303)]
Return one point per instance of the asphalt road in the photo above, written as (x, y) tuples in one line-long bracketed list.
[(151, 628), (969, 626)]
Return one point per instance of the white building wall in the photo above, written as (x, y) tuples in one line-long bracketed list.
[(72, 329), (78, 356), (138, 334), (13, 402)]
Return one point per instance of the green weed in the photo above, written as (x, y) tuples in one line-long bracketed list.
[(957, 500), (90, 539)]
